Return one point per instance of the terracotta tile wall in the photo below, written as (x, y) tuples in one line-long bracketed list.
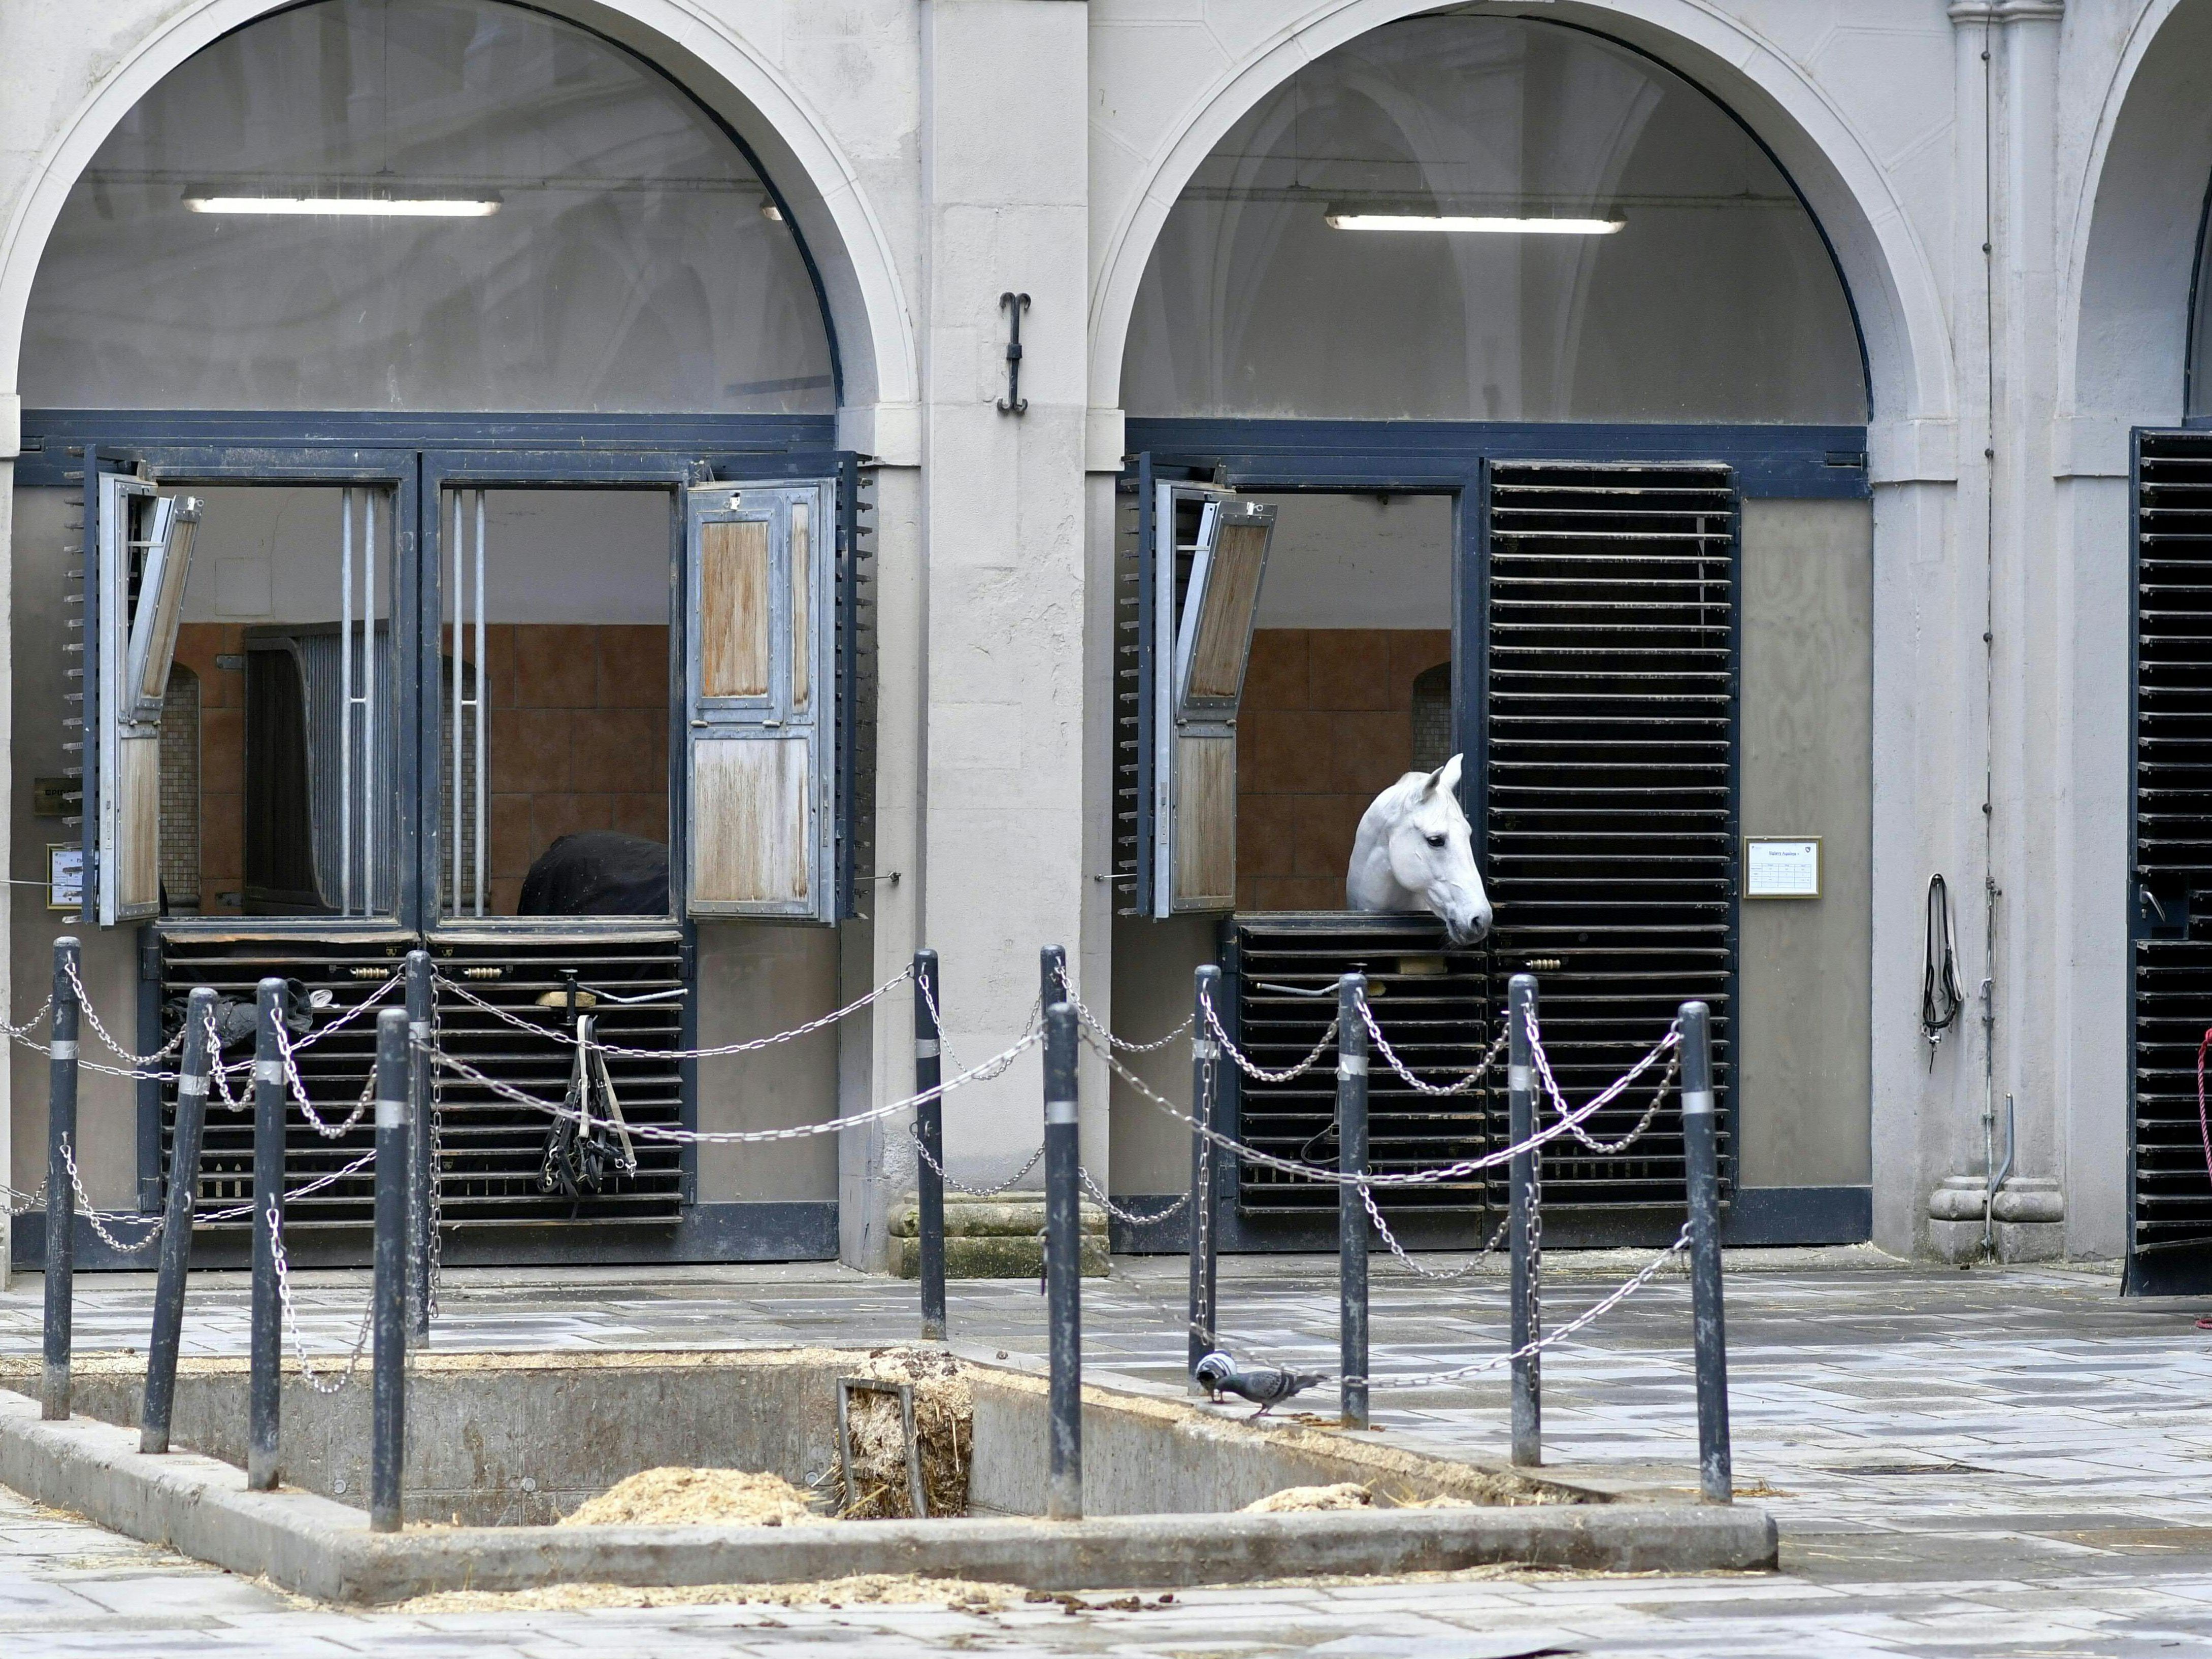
[(1326, 723), (223, 762), (579, 739)]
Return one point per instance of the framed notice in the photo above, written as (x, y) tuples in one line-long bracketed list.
[(65, 875), (1782, 866)]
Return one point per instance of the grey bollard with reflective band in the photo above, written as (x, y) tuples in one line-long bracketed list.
[(1716, 1476), (1351, 1212), (421, 1201), (1063, 1492), (61, 1192), (929, 1134), (193, 1068), (265, 1362), (1204, 1074), (388, 1406), (1527, 1393)]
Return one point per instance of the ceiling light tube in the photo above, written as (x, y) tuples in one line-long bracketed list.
[(1466, 224), (345, 207)]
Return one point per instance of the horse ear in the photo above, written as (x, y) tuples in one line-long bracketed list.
[(1445, 777)]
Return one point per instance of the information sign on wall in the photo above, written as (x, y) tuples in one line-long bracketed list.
[(1782, 866)]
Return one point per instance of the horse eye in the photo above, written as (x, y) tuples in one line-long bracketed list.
[(1436, 841)]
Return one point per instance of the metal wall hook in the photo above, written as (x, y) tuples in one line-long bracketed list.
[(1014, 403)]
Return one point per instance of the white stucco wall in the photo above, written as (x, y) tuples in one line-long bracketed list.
[(938, 153)]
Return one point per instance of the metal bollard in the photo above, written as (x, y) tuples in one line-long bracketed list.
[(388, 1408), (422, 1206), (1205, 1059), (1063, 1492), (1351, 1212), (266, 1381), (929, 1132), (1716, 1476), (1527, 1263), (198, 1060), (61, 1192)]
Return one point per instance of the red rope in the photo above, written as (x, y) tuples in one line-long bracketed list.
[(2203, 1124)]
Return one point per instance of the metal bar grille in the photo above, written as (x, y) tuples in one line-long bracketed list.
[(1609, 828), (1431, 1004), (2171, 1245), (489, 1149)]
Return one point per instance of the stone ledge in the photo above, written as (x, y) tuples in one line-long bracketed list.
[(316, 1547)]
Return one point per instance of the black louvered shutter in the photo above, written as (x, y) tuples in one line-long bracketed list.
[(2170, 1242), (1607, 786)]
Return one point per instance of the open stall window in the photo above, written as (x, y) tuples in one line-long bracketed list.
[(142, 543), (762, 690), (1202, 553)]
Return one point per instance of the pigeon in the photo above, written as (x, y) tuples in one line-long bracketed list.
[(1264, 1386)]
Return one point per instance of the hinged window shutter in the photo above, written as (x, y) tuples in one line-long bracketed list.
[(763, 686), (143, 548), (1202, 552)]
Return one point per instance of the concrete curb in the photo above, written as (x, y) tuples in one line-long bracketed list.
[(317, 1547)]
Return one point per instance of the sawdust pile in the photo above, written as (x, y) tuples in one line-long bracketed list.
[(696, 1497), (1300, 1500), (944, 1420), (1345, 1495), (960, 1594)]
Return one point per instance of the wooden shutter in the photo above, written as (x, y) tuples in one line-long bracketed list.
[(762, 718), (1202, 554), (142, 543)]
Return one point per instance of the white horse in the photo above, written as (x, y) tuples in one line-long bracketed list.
[(1414, 852)]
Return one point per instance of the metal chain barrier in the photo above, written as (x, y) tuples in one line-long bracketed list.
[(92, 1018), (750, 1046), (1251, 1067), (1651, 1113), (1589, 1316), (1097, 1025), (1455, 1171), (1032, 1026), (97, 1217), (299, 1089), (320, 1382), (1007, 1185), (1467, 1081), (1390, 1240), (990, 1068), (1128, 1218)]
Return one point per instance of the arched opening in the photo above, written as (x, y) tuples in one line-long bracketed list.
[(1492, 218), (423, 204), (1537, 360), (448, 396)]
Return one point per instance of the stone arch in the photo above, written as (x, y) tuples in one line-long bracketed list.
[(1886, 268), (868, 314), (2133, 250)]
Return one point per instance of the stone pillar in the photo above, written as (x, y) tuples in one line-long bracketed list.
[(1005, 190)]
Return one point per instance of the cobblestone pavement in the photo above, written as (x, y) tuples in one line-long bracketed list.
[(2009, 1462)]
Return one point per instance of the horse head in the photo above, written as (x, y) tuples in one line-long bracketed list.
[(1415, 852)]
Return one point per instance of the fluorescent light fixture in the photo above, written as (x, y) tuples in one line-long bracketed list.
[(1464, 224), (345, 207)]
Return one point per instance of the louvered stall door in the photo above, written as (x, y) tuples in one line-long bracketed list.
[(334, 1068), (1609, 787), (2171, 1245), (1429, 1002), (489, 1150)]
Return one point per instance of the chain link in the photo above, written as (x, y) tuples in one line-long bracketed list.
[(1390, 1240), (1467, 1081), (97, 1217), (1251, 1067), (320, 1382), (750, 1046), (92, 1018), (914, 1132), (990, 1068), (1032, 1025), (1128, 1216), (1596, 1311), (1455, 1171), (1097, 1025)]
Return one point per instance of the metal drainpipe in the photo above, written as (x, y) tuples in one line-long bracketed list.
[(1991, 891)]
